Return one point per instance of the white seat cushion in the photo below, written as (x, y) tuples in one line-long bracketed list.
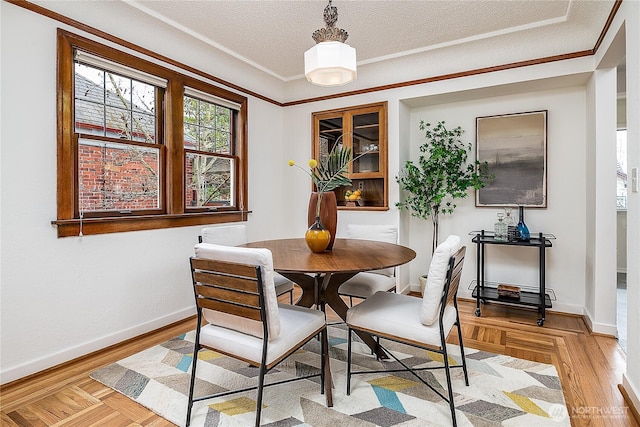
[(365, 284), (297, 324), (227, 235), (436, 279), (398, 315), (380, 233), (252, 256)]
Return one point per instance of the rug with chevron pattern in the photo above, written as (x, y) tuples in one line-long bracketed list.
[(502, 391)]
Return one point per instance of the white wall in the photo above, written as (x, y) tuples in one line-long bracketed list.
[(600, 304), (63, 298), (630, 14), (623, 41), (564, 216)]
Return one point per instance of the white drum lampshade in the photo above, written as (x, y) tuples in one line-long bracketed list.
[(330, 63)]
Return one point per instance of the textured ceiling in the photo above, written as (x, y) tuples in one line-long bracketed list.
[(273, 35)]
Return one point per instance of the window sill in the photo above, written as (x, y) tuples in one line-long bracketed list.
[(72, 227)]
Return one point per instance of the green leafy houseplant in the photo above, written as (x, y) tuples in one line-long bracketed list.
[(440, 176)]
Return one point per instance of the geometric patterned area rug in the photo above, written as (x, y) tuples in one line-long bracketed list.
[(502, 391)]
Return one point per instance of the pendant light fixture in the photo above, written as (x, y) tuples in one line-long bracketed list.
[(331, 62)]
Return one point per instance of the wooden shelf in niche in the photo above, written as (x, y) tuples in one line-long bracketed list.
[(372, 193)]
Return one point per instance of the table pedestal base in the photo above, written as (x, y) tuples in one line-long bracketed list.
[(322, 289)]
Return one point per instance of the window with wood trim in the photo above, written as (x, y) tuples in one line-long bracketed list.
[(143, 147), (119, 151), (209, 155)]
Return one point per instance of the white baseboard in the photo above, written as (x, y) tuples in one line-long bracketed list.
[(567, 308), (632, 392), (600, 328), (557, 307), (50, 360), (414, 288)]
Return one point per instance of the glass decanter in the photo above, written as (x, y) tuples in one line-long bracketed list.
[(500, 228), (512, 229)]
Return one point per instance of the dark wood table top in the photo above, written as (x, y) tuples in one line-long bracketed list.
[(348, 255), (321, 274)]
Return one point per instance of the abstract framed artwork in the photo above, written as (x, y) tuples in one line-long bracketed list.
[(515, 149)]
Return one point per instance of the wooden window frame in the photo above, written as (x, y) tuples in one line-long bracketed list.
[(233, 132), (173, 212)]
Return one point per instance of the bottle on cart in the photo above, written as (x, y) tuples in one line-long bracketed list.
[(512, 229), (523, 230), (500, 228)]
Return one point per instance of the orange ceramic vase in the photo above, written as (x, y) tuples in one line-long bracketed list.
[(317, 237)]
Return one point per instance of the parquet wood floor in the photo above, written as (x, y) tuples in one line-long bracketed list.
[(590, 368)]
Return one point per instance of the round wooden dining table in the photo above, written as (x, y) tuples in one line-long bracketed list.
[(319, 275)]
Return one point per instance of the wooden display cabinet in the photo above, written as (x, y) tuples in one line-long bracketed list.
[(364, 129)]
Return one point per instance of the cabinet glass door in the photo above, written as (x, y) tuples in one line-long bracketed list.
[(330, 135), (366, 143)]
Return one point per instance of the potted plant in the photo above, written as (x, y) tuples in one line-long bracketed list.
[(441, 175), (328, 174)]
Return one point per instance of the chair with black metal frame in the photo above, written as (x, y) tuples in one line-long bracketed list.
[(238, 315), (235, 235), (410, 320)]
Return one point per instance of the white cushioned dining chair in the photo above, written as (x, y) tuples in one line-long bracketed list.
[(419, 322), (367, 283), (234, 235), (238, 315)]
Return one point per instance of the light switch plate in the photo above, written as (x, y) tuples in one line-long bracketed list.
[(634, 180)]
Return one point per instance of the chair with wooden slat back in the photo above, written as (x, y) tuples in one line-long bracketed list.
[(419, 323), (238, 315), (234, 235)]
